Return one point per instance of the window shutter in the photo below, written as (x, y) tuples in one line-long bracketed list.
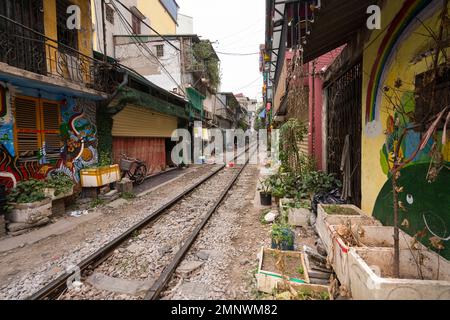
[(50, 128), (26, 114)]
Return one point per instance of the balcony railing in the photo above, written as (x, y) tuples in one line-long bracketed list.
[(26, 49)]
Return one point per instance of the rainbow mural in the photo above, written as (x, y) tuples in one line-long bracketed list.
[(401, 27)]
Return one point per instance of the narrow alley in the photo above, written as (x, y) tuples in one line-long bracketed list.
[(186, 151)]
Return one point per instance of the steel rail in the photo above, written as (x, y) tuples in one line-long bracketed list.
[(166, 275), (56, 287)]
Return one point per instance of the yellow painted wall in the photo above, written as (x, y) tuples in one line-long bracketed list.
[(84, 35), (159, 18), (402, 66)]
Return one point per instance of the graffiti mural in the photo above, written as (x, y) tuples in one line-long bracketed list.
[(424, 203), (78, 136), (392, 69)]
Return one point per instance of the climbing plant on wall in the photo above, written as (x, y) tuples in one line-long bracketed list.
[(292, 134), (105, 140), (206, 58)]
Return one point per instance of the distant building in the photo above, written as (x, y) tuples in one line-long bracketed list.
[(250, 106), (161, 15), (185, 24)]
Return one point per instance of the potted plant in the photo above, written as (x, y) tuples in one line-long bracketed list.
[(101, 175), (265, 193), (28, 204), (283, 237), (59, 186)]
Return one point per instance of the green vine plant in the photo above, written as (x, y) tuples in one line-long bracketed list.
[(292, 134), (207, 61)]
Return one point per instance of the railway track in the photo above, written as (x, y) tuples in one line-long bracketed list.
[(177, 209)]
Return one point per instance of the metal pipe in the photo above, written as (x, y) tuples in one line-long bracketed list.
[(105, 53)]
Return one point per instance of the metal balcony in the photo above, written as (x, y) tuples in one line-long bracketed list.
[(26, 49)]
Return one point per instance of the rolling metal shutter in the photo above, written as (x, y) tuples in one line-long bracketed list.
[(134, 121)]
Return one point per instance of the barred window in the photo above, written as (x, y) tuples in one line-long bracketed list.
[(428, 85), (160, 50), (65, 35)]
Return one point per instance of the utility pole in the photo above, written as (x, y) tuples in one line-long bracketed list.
[(105, 54)]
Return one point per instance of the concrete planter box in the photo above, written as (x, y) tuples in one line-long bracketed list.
[(269, 278), (2, 226), (50, 193), (372, 237), (370, 271), (99, 177), (325, 220), (299, 217), (30, 213)]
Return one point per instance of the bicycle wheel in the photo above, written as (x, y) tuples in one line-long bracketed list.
[(140, 174)]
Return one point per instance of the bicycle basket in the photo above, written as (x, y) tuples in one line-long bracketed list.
[(126, 165)]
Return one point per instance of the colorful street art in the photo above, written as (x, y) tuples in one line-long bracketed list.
[(423, 201), (78, 136), (401, 28), (395, 60)]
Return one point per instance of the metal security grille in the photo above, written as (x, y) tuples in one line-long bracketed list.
[(22, 43), (66, 36), (344, 118)]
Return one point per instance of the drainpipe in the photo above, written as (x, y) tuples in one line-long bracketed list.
[(313, 106), (105, 53)]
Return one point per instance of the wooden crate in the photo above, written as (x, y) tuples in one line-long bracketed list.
[(269, 280), (308, 287)]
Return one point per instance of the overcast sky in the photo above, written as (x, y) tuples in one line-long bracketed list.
[(239, 27)]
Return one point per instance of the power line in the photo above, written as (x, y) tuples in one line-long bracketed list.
[(246, 29), (146, 24), (238, 54), (140, 44), (248, 85)]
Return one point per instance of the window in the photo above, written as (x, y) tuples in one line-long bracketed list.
[(37, 124), (25, 49), (425, 85), (109, 14), (65, 35), (136, 25), (160, 50)]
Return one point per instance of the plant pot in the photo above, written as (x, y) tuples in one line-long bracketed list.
[(374, 237), (266, 199), (299, 217), (30, 213), (50, 193), (99, 177), (325, 220), (287, 244), (371, 275)]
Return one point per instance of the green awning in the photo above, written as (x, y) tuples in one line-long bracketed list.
[(196, 99)]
